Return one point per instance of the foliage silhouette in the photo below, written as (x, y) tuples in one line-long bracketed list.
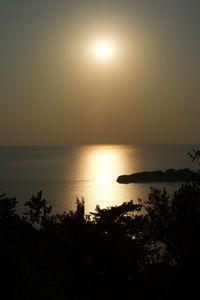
[(38, 209), (148, 248), (7, 207)]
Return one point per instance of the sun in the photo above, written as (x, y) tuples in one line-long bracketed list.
[(103, 51)]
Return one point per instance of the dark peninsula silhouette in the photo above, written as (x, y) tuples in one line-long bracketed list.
[(170, 175)]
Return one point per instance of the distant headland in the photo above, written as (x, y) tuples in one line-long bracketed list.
[(170, 175)]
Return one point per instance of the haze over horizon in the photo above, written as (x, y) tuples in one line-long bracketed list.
[(54, 92)]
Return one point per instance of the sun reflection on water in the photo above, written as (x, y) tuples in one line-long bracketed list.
[(93, 173), (104, 163)]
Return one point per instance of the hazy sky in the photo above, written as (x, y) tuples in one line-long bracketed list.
[(53, 91)]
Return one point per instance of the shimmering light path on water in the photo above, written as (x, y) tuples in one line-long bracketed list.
[(90, 171)]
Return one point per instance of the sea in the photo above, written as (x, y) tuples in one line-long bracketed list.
[(89, 172)]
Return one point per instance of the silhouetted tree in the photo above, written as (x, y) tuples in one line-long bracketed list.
[(195, 155), (7, 207), (38, 209), (80, 209)]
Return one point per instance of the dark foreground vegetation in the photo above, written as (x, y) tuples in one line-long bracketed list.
[(144, 250)]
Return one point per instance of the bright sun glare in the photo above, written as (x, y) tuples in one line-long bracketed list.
[(103, 50)]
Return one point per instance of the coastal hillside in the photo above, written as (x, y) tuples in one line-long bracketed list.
[(170, 175)]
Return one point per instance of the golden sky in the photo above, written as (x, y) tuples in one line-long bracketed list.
[(55, 90)]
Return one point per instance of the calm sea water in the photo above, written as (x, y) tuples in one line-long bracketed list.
[(64, 173)]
